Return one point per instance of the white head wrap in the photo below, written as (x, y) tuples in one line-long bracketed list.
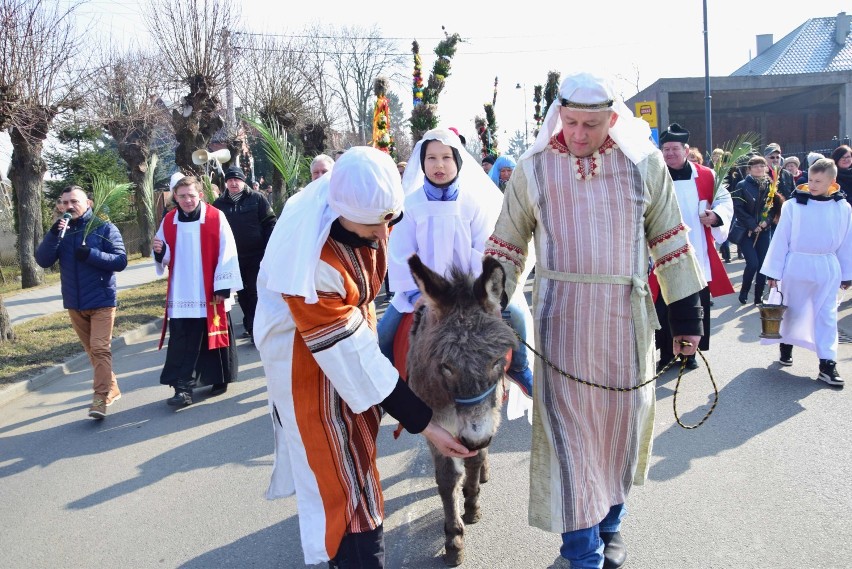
[(587, 92), (176, 177), (472, 178), (364, 187)]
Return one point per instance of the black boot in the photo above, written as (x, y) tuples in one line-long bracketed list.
[(615, 552), (218, 389), (691, 362)]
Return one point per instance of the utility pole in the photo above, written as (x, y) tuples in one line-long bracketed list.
[(231, 119), (526, 123), (708, 112)]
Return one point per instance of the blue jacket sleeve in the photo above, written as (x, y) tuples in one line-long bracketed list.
[(108, 252), (48, 250)]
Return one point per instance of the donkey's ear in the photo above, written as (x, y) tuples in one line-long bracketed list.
[(488, 288), (434, 287)]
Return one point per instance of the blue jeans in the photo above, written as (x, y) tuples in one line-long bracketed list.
[(514, 317), (584, 547), (386, 329), (754, 254)]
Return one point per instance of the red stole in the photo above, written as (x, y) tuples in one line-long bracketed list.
[(719, 284), (217, 317)]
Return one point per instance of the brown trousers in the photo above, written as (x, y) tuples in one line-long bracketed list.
[(94, 328)]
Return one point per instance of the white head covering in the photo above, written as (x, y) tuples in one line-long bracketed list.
[(472, 178), (176, 177), (587, 92), (364, 187)]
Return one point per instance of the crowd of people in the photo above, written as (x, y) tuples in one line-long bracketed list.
[(624, 239)]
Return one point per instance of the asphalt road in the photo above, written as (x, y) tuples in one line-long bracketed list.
[(763, 484)]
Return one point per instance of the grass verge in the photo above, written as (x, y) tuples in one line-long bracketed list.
[(50, 340), (12, 275)]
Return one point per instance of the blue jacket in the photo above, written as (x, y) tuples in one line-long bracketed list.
[(86, 284)]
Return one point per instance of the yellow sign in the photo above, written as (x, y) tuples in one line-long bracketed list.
[(647, 110)]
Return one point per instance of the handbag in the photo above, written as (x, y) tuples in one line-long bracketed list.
[(737, 232)]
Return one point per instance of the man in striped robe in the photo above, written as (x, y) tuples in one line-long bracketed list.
[(595, 195), (315, 329)]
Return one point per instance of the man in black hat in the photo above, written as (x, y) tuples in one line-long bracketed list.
[(708, 217), (251, 219), (488, 163)]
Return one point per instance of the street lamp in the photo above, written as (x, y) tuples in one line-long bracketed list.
[(526, 124)]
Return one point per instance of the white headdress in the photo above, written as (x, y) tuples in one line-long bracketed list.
[(364, 187), (472, 178), (587, 92)]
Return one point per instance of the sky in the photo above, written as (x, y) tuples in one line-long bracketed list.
[(634, 47)]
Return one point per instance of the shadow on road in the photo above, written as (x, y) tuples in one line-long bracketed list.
[(739, 417)]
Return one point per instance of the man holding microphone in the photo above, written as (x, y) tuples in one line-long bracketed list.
[(87, 273)]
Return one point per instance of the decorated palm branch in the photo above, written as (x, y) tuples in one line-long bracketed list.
[(538, 117), (734, 153), (551, 89), (382, 138), (283, 156), (424, 115), (107, 196)]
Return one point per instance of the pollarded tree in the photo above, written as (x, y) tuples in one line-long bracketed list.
[(37, 44), (126, 103), (188, 33)]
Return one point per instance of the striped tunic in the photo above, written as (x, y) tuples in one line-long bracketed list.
[(325, 376), (593, 318)]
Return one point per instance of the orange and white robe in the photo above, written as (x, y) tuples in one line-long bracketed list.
[(325, 377)]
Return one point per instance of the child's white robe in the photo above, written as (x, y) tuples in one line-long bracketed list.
[(810, 253)]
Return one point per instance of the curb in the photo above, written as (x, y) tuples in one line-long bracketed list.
[(12, 391)]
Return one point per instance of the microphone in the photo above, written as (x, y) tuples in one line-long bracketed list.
[(67, 217)]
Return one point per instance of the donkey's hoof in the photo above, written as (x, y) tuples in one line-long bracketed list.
[(453, 557), (472, 516)]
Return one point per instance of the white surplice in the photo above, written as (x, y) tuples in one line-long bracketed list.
[(187, 298)]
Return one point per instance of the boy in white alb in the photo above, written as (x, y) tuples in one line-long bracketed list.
[(810, 256)]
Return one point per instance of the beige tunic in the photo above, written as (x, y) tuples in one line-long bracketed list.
[(593, 318)]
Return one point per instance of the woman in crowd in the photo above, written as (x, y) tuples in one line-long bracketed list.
[(502, 171), (842, 156), (750, 199)]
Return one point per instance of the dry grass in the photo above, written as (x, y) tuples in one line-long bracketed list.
[(49, 340)]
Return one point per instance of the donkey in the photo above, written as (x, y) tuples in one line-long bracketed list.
[(456, 361)]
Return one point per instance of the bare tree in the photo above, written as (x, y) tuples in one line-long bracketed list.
[(37, 44), (188, 33), (126, 103), (358, 55)]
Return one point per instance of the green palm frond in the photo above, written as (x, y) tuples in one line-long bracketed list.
[(207, 189), (106, 196), (735, 151), (147, 193), (283, 155)]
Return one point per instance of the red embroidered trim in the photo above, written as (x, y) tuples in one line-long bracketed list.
[(505, 245), (667, 235), (496, 253), (557, 145), (668, 257)]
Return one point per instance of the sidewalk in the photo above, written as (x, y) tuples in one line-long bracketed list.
[(41, 301)]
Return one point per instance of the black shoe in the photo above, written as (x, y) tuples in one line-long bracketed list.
[(691, 362), (828, 373), (661, 364), (615, 552), (786, 357), (180, 399), (246, 334), (743, 299), (218, 389)]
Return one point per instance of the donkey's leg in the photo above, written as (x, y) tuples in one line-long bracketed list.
[(485, 469), (448, 474), (473, 472)]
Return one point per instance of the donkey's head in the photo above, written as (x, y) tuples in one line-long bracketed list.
[(459, 349)]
